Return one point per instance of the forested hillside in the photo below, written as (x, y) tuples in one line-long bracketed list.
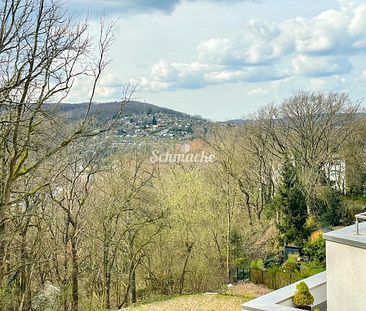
[(88, 226), (107, 111)]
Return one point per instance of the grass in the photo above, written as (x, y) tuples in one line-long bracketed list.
[(197, 302), (228, 301)]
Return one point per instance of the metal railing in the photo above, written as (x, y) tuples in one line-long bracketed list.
[(359, 217)]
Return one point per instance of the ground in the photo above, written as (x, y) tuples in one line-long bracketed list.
[(230, 300)]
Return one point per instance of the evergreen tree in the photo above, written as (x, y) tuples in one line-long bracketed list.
[(290, 204)]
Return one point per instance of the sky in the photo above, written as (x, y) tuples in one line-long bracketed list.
[(223, 59)]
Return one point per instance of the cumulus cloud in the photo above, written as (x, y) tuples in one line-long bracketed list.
[(311, 66), (266, 51), (255, 47), (194, 75), (109, 86)]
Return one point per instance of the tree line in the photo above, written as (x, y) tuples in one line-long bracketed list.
[(82, 228)]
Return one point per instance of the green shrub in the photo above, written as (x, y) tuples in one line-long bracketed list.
[(274, 269), (315, 250), (257, 264), (241, 262), (352, 205), (290, 264), (302, 297), (273, 261), (310, 268)]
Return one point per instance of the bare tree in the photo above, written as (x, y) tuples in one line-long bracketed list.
[(310, 128), (42, 52)]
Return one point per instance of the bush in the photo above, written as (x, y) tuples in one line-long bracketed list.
[(257, 264), (241, 262), (291, 264), (315, 250), (272, 262), (311, 268), (303, 297), (274, 269), (352, 205)]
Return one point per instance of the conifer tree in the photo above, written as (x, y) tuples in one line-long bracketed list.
[(290, 204)]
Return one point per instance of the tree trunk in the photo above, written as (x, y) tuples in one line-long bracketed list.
[(189, 246), (133, 286), (74, 274), (107, 278), (23, 273), (228, 248)]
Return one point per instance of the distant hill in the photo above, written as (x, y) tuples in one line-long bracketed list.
[(107, 111)]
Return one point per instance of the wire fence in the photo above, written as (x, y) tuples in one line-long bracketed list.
[(278, 279)]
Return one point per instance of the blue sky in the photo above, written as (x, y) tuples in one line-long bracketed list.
[(223, 59)]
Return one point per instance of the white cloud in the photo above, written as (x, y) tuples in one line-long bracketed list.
[(258, 92), (267, 51), (325, 83), (253, 47), (363, 75), (110, 86), (310, 66)]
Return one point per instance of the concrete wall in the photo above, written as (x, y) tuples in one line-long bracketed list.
[(281, 299), (319, 293), (346, 277)]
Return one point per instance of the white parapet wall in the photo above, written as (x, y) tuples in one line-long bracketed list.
[(281, 299), (341, 288), (346, 269)]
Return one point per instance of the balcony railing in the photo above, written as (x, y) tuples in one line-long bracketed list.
[(359, 218)]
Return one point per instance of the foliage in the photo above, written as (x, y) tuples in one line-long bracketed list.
[(275, 278), (308, 269), (329, 207), (274, 269), (241, 262), (257, 264), (273, 261), (239, 257), (352, 205), (303, 297), (291, 264), (290, 202), (311, 224), (315, 250)]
